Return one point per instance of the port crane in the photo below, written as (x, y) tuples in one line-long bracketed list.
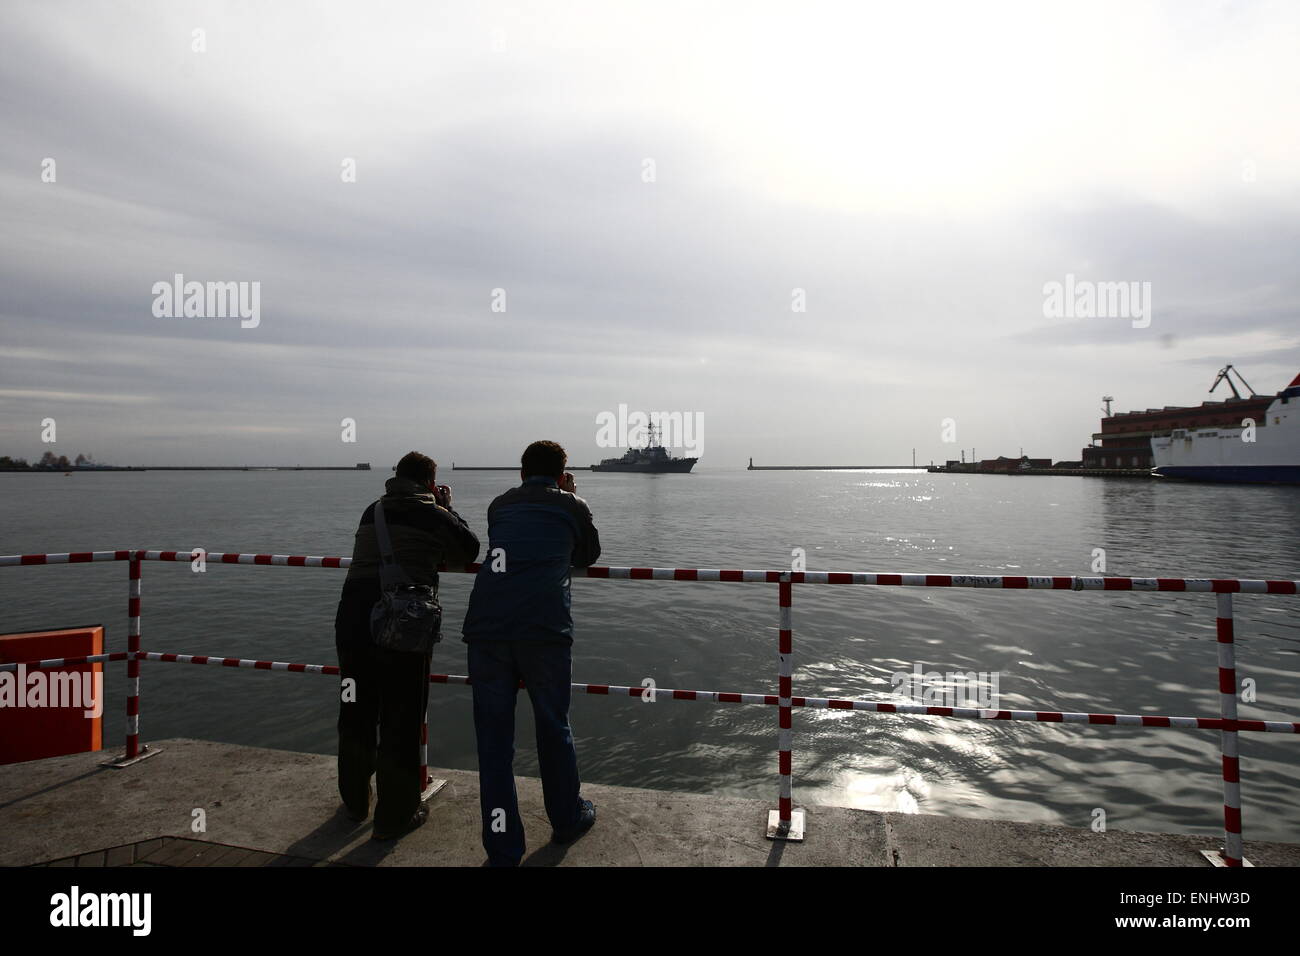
[(1225, 376)]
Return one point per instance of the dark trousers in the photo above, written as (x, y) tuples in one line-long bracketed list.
[(380, 731), (495, 669)]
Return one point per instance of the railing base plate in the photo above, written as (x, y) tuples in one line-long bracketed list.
[(433, 786), (792, 832), (117, 763), (1216, 857)]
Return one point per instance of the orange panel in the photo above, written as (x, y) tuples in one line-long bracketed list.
[(43, 714)]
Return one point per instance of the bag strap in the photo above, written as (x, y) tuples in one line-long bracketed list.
[(391, 574)]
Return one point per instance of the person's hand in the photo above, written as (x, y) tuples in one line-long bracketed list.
[(442, 495), (567, 484)]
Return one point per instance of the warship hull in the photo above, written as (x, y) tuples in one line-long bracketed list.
[(674, 466)]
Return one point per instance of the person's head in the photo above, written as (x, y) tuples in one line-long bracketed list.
[(418, 468), (543, 458)]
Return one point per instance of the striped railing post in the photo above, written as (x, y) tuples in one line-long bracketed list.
[(785, 823), (1232, 851), (133, 660), (429, 785), (784, 693)]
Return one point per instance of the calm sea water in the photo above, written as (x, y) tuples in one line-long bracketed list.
[(1074, 651)]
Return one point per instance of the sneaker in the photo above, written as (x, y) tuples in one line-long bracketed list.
[(416, 821), (586, 820)]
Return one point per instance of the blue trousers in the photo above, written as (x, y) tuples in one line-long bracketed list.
[(495, 670)]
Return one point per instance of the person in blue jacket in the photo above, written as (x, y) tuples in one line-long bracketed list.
[(519, 627)]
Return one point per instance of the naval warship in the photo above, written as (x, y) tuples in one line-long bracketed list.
[(653, 459)]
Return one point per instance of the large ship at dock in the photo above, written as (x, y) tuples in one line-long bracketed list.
[(1263, 449), (1124, 443), (653, 459)]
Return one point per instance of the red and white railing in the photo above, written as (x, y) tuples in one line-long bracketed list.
[(786, 821)]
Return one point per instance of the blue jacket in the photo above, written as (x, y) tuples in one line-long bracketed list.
[(536, 533)]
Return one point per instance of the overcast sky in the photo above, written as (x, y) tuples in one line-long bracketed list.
[(921, 171)]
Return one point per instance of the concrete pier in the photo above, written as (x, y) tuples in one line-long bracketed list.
[(271, 807)]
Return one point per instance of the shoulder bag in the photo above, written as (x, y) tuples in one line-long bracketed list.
[(407, 617)]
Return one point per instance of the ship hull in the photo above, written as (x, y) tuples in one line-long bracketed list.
[(1239, 474), (679, 466)]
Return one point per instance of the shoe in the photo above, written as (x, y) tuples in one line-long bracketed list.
[(586, 820), (416, 821)]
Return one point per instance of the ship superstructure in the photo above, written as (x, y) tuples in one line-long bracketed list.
[(652, 459)]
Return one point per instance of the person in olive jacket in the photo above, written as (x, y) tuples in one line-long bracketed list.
[(391, 690)]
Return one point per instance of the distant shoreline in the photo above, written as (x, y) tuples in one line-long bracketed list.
[(69, 470)]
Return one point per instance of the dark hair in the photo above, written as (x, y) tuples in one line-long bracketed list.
[(543, 458), (417, 467)]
